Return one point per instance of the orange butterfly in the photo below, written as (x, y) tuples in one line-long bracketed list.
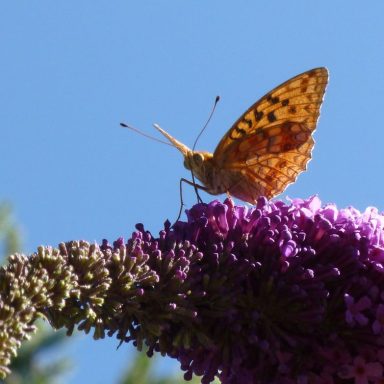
[(267, 147)]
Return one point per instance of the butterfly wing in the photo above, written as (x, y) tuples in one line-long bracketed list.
[(271, 143)]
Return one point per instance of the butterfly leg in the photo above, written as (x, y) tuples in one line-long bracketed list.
[(196, 186)]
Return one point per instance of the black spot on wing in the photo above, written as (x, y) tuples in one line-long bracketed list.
[(240, 132), (273, 99), (271, 117), (259, 115), (248, 122)]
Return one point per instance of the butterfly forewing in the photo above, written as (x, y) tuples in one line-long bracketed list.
[(271, 143)]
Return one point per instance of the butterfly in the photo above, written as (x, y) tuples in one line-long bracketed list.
[(267, 147)]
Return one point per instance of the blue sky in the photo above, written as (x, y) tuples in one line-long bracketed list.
[(71, 71)]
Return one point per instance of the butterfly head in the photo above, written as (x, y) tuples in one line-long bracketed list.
[(200, 164), (195, 161)]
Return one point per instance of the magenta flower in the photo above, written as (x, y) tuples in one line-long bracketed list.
[(272, 294), (362, 372), (354, 314), (378, 324)]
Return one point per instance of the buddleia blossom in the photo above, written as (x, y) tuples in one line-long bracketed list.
[(275, 293)]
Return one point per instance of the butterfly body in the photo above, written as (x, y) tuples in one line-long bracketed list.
[(204, 167), (267, 147)]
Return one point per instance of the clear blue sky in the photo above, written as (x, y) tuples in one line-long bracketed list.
[(71, 71)]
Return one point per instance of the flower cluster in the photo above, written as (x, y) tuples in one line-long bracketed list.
[(272, 294), (290, 293)]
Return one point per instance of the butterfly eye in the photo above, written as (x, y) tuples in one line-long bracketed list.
[(186, 163), (198, 159)]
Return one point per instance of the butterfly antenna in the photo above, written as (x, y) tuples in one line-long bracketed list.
[(205, 125), (199, 199), (144, 134)]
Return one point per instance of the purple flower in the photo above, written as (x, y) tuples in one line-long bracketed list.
[(378, 324), (272, 294), (354, 313), (287, 293), (362, 372)]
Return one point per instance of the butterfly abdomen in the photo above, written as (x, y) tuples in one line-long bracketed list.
[(235, 182), (218, 180)]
